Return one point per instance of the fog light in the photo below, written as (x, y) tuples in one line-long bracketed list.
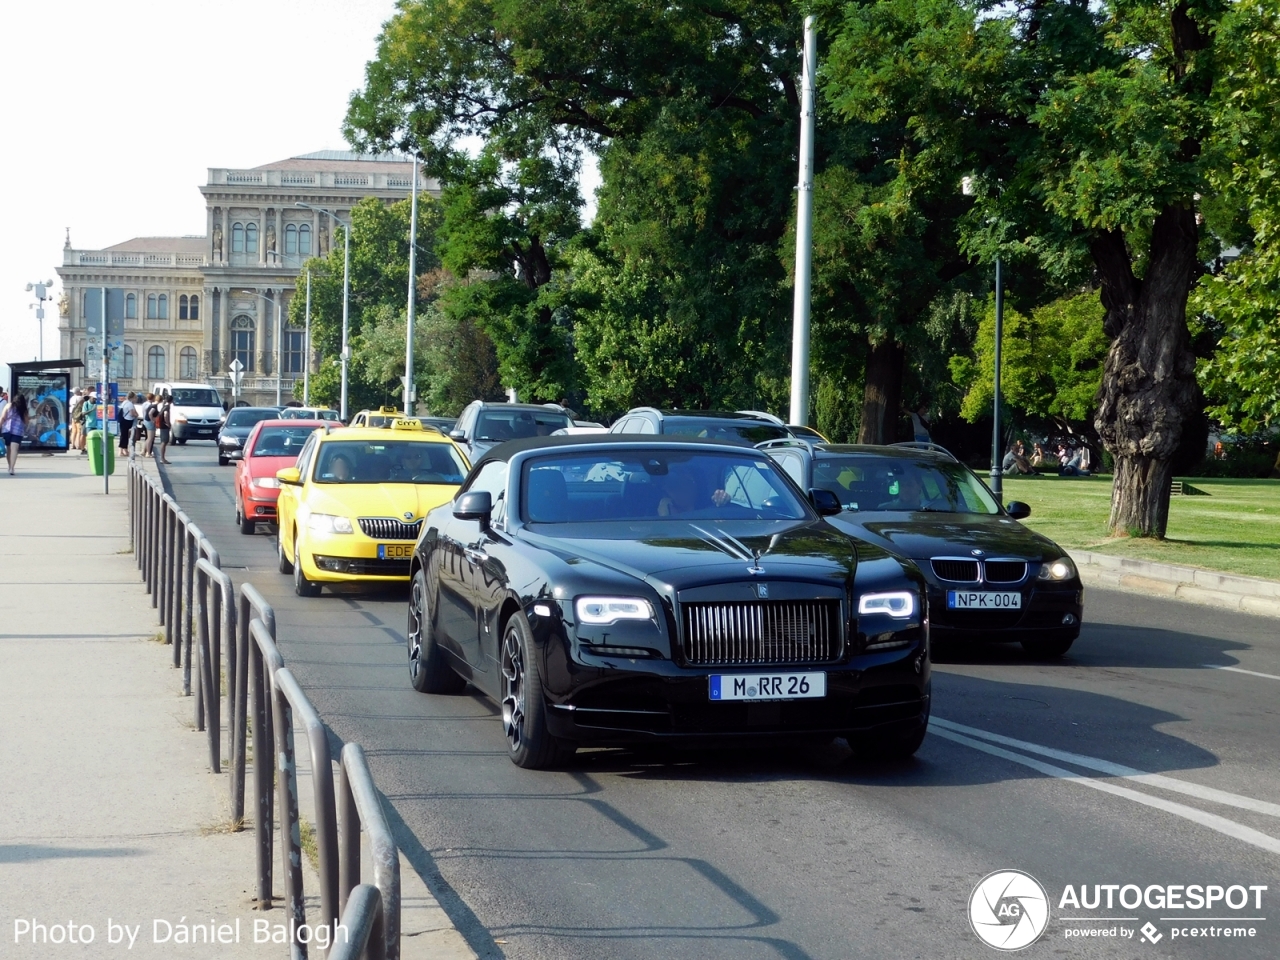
[(1069, 619)]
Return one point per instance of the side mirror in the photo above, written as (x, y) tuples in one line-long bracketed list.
[(477, 505), (825, 502), (457, 435), (289, 475), (1017, 509)]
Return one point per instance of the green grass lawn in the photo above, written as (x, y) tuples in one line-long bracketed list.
[(1235, 528)]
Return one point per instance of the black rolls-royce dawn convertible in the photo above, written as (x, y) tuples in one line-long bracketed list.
[(613, 591)]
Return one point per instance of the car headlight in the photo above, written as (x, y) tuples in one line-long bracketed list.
[(602, 610), (899, 604), (227, 441), (273, 483), (179, 418), (327, 523), (1062, 569)]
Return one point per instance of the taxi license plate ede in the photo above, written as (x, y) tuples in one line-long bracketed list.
[(983, 600), (767, 686), (395, 551)]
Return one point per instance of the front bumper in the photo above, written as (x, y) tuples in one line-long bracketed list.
[(1048, 611), (351, 558), (196, 430), (261, 505)]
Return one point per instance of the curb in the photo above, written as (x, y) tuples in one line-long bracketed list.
[(1190, 584)]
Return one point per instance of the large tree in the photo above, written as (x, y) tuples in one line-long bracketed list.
[(1084, 125)]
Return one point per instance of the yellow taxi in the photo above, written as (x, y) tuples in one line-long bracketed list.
[(382, 417), (351, 508)]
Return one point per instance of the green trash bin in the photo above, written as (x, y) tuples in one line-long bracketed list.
[(96, 443)]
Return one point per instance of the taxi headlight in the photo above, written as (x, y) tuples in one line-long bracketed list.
[(273, 483), (327, 523), (603, 610), (1062, 569), (899, 604)]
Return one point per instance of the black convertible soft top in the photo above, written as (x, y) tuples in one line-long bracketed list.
[(509, 448)]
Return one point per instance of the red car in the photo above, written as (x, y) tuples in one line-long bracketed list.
[(273, 445)]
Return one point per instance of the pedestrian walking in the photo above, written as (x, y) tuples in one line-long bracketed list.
[(128, 417), (164, 410), (149, 421), (13, 425)]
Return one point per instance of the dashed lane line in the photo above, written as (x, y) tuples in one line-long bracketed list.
[(1214, 822), (1252, 673), (1199, 791)]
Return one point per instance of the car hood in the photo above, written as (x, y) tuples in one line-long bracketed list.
[(379, 499), (236, 430), (920, 536), (680, 554)]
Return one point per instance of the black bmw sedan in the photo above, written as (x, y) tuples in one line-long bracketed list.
[(990, 578), (607, 590)]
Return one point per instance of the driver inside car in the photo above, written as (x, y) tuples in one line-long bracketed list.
[(681, 495), (910, 495), (408, 466)]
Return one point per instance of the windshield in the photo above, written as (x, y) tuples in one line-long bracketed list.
[(518, 424), (247, 418), (716, 428), (391, 461), (307, 413), (196, 398), (281, 441), (894, 484), (662, 484)]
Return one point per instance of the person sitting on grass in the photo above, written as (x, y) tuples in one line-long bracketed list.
[(1015, 460)]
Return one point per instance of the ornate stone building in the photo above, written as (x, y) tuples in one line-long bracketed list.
[(193, 305)]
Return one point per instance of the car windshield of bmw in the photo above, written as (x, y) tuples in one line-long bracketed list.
[(499, 424), (392, 461), (281, 441), (717, 428), (864, 483), (656, 485)]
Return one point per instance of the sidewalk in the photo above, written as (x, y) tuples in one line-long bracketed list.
[(1190, 584)]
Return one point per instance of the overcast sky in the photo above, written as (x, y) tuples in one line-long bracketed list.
[(112, 114)]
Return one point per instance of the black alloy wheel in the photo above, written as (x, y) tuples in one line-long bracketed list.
[(524, 712), (301, 585), (902, 747), (282, 561), (247, 526), (429, 669)]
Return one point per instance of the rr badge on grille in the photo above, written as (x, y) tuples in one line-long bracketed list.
[(762, 591)]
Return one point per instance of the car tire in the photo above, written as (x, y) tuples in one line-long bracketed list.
[(282, 561), (182, 442), (301, 585), (222, 461), (903, 747), (1048, 648), (247, 526), (524, 711), (429, 669)]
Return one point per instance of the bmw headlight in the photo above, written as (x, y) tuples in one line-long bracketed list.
[(1062, 569), (602, 610), (273, 483), (326, 523), (899, 604)]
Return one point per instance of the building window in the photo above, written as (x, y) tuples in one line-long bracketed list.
[(304, 240), (155, 363), (183, 307), (130, 306), (292, 361), (164, 306), (291, 239), (242, 342), (126, 366), (251, 238), (237, 238), (153, 310), (187, 364), (195, 307)]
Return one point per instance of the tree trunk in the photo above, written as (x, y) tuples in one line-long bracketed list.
[(882, 395), (1148, 384)]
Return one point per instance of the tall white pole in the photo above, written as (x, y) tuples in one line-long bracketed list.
[(279, 343), (804, 236), (103, 395), (346, 299), (413, 276), (306, 360)]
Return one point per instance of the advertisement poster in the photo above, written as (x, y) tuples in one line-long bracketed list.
[(46, 395)]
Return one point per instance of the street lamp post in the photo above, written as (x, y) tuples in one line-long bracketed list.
[(969, 188), (306, 337), (413, 276), (346, 295), (42, 292), (276, 302)]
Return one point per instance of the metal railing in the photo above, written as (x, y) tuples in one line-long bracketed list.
[(234, 634)]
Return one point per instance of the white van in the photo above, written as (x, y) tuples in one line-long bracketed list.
[(196, 413)]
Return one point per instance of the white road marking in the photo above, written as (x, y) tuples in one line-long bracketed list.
[(1252, 673), (1211, 820), (1196, 790)]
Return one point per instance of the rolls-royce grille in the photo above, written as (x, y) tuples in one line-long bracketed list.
[(768, 631), (959, 571), (1005, 571), (388, 528)]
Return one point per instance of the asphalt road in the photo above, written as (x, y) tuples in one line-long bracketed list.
[(799, 852)]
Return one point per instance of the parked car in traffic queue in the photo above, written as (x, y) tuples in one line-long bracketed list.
[(271, 446), (237, 426), (352, 507), (611, 590), (990, 578)]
